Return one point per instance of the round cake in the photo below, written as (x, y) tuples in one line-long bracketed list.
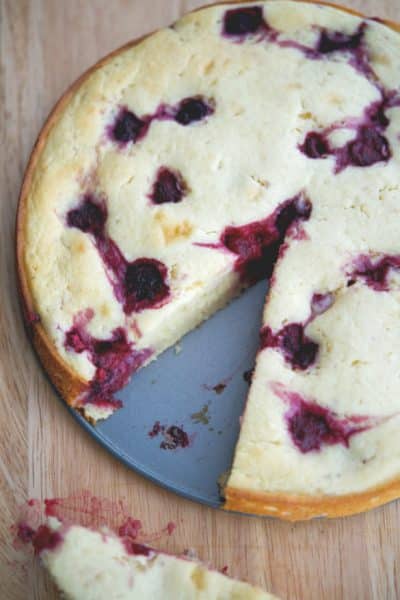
[(247, 141)]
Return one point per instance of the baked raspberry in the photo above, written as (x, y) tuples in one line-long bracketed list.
[(169, 186), (243, 21), (128, 127)]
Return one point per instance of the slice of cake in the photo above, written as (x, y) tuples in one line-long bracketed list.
[(247, 141), (99, 565)]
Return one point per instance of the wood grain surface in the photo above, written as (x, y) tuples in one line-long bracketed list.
[(45, 45)]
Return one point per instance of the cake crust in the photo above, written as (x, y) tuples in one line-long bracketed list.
[(71, 386)]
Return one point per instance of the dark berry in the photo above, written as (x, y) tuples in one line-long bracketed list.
[(193, 109), (315, 145), (368, 148), (298, 350), (128, 127), (145, 280), (89, 216), (333, 41), (243, 21), (298, 208), (168, 187), (308, 429)]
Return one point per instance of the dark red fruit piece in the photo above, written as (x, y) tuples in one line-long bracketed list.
[(243, 21), (333, 41), (315, 145), (90, 216), (368, 148), (192, 109), (144, 284), (298, 350), (128, 127), (169, 186)]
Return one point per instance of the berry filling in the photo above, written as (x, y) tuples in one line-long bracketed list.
[(144, 284), (168, 187), (334, 41), (312, 426), (374, 271), (128, 127), (257, 244), (90, 216), (138, 285), (297, 349), (368, 147), (115, 360), (315, 145), (193, 109), (242, 22)]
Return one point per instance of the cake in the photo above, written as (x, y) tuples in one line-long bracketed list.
[(247, 141), (99, 565)]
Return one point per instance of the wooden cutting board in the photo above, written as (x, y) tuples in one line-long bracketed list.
[(45, 45)]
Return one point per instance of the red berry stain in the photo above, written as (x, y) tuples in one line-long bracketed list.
[(138, 285), (257, 244), (115, 360), (312, 426), (374, 270), (88, 511), (25, 533), (130, 528), (46, 539), (169, 186)]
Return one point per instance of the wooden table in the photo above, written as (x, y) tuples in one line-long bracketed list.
[(45, 45)]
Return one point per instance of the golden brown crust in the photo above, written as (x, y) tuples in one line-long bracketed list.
[(70, 386), (302, 508)]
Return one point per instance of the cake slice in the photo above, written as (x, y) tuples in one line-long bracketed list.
[(99, 565)]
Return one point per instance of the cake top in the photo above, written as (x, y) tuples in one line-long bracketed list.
[(181, 162)]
